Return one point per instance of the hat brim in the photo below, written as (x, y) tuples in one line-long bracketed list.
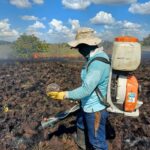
[(91, 42)]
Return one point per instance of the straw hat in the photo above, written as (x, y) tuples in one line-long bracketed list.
[(85, 36)]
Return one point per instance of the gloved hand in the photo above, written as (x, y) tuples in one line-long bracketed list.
[(56, 95)]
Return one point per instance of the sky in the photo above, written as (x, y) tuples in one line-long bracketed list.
[(56, 21)]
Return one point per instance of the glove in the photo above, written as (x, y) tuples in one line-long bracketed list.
[(56, 95)]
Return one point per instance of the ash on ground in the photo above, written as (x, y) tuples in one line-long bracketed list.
[(22, 90)]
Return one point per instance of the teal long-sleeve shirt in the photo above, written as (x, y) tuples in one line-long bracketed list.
[(97, 74)]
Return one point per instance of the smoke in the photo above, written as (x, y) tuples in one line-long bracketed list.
[(6, 51)]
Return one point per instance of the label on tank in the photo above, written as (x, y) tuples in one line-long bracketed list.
[(131, 97)]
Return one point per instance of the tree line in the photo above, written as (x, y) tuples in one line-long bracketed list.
[(26, 45)]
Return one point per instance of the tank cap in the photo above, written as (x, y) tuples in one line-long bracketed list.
[(126, 39)]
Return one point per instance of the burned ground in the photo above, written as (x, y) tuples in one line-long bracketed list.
[(22, 90)]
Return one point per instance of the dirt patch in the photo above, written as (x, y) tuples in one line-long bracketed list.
[(22, 90)]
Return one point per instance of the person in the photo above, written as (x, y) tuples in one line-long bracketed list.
[(95, 74)]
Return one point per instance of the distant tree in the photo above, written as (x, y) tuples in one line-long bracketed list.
[(26, 45), (146, 41)]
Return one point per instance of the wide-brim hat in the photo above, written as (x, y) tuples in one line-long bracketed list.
[(85, 36)]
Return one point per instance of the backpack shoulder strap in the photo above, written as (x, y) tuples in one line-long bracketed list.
[(97, 90), (102, 59)]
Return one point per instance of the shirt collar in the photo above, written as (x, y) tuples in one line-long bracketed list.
[(96, 51)]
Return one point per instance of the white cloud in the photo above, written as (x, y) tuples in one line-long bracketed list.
[(75, 24), (6, 33), (138, 8), (102, 18), (82, 4), (38, 1), (113, 1), (58, 32), (76, 4), (130, 25), (25, 3), (123, 28), (4, 24), (58, 26), (21, 3), (34, 30), (37, 25), (26, 17)]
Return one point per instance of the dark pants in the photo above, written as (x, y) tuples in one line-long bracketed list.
[(94, 125)]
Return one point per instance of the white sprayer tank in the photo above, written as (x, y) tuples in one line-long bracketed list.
[(126, 54)]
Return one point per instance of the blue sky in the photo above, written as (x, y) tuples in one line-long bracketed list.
[(56, 21)]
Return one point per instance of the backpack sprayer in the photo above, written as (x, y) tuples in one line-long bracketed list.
[(126, 58)]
